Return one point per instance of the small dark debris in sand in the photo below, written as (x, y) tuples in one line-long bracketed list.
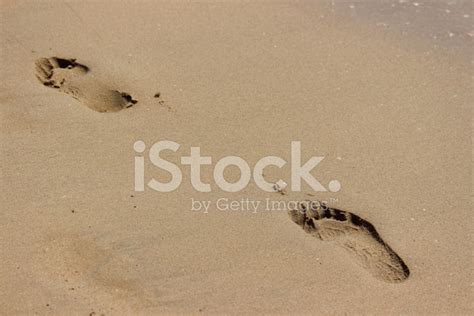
[(157, 95), (73, 211), (278, 189)]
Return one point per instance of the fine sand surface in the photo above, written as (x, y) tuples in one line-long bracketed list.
[(382, 90)]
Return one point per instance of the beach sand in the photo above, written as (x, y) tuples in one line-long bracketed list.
[(382, 91)]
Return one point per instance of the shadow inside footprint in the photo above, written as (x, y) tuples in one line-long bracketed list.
[(69, 64)]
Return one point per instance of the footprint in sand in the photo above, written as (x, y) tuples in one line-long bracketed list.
[(353, 234), (70, 77), (87, 265)]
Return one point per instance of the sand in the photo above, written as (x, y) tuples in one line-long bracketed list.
[(383, 91)]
